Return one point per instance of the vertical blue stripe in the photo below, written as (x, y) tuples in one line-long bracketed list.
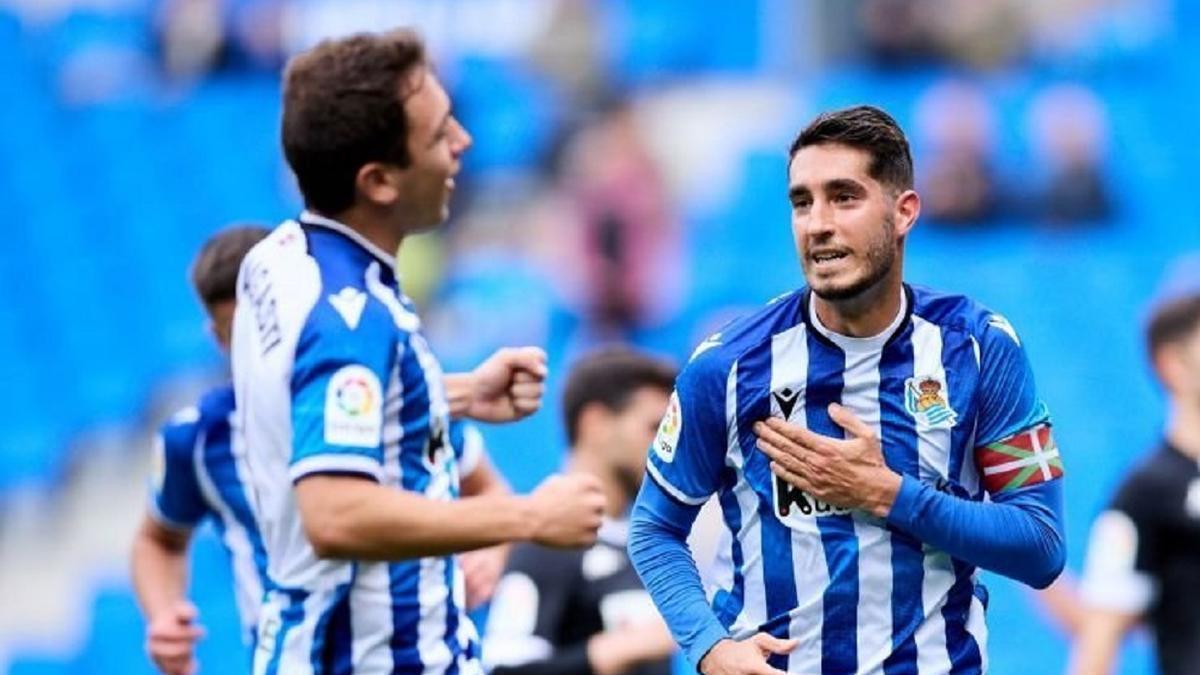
[(839, 629), (452, 619), (958, 359), (727, 605), (221, 466), (899, 435), (290, 617), (779, 574), (332, 639), (405, 576)]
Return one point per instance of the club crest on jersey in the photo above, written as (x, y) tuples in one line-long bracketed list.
[(669, 430), (925, 399)]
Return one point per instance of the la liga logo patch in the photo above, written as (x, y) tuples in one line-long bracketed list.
[(667, 439)]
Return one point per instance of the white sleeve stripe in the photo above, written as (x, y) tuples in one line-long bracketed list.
[(332, 463), (671, 489)]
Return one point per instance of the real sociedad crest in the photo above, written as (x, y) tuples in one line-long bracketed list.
[(925, 401)]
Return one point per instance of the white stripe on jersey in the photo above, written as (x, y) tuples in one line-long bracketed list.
[(861, 395), (933, 451), (248, 588), (754, 605), (371, 618), (789, 359)]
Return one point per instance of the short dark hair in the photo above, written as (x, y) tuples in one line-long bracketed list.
[(343, 108), (866, 128), (215, 269), (610, 377), (1172, 322)]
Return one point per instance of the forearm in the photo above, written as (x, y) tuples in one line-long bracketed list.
[(460, 391), (354, 518), (159, 570), (658, 549), (1020, 537), (1095, 651)]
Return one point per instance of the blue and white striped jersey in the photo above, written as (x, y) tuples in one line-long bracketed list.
[(333, 376), (199, 476), (861, 596)]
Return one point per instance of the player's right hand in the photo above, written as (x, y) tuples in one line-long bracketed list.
[(569, 510), (171, 637), (745, 657)]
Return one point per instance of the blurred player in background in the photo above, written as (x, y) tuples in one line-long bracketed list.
[(585, 611), (851, 431), (344, 410), (199, 477), (1143, 561)]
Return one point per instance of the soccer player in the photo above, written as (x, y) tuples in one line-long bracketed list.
[(871, 444), (585, 611), (199, 477), (343, 408), (1143, 561)]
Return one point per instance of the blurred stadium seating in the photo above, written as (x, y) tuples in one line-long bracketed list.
[(111, 176)]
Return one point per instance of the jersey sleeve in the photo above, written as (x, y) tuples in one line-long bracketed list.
[(468, 444), (689, 449), (1118, 572), (1014, 446), (337, 389), (176, 500)]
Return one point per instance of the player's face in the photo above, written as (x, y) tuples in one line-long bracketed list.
[(220, 317), (845, 223), (436, 142), (633, 430), (1183, 373)]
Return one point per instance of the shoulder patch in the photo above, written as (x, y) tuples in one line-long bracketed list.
[(669, 430), (1000, 323), (349, 303), (354, 408)]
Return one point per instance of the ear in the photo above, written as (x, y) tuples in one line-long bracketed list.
[(378, 183), (1169, 367), (907, 209)]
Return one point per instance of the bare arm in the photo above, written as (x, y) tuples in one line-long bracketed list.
[(1099, 640), (159, 566), (349, 517)]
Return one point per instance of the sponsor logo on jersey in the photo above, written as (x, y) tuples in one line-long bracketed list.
[(793, 505), (354, 408), (668, 430), (925, 400), (786, 398)]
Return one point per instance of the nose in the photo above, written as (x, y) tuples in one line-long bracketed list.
[(462, 138), (820, 220)]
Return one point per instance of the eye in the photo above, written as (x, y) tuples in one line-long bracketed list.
[(844, 197)]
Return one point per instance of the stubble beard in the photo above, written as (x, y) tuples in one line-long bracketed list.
[(880, 259)]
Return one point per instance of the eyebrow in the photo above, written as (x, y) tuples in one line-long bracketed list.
[(834, 185)]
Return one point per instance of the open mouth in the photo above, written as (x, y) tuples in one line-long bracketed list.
[(825, 257)]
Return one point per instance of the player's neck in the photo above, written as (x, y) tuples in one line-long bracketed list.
[(616, 496), (1183, 429), (867, 315)]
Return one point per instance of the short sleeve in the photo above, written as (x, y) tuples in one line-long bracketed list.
[(689, 450), (338, 392), (1118, 573), (468, 444), (176, 500)]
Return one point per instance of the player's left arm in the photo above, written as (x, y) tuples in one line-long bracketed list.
[(1019, 532)]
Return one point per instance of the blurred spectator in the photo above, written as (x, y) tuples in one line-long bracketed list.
[(896, 32), (625, 238), (198, 37), (956, 123), (1069, 130)]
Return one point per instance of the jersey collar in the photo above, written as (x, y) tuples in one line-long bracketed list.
[(309, 218), (859, 344)]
